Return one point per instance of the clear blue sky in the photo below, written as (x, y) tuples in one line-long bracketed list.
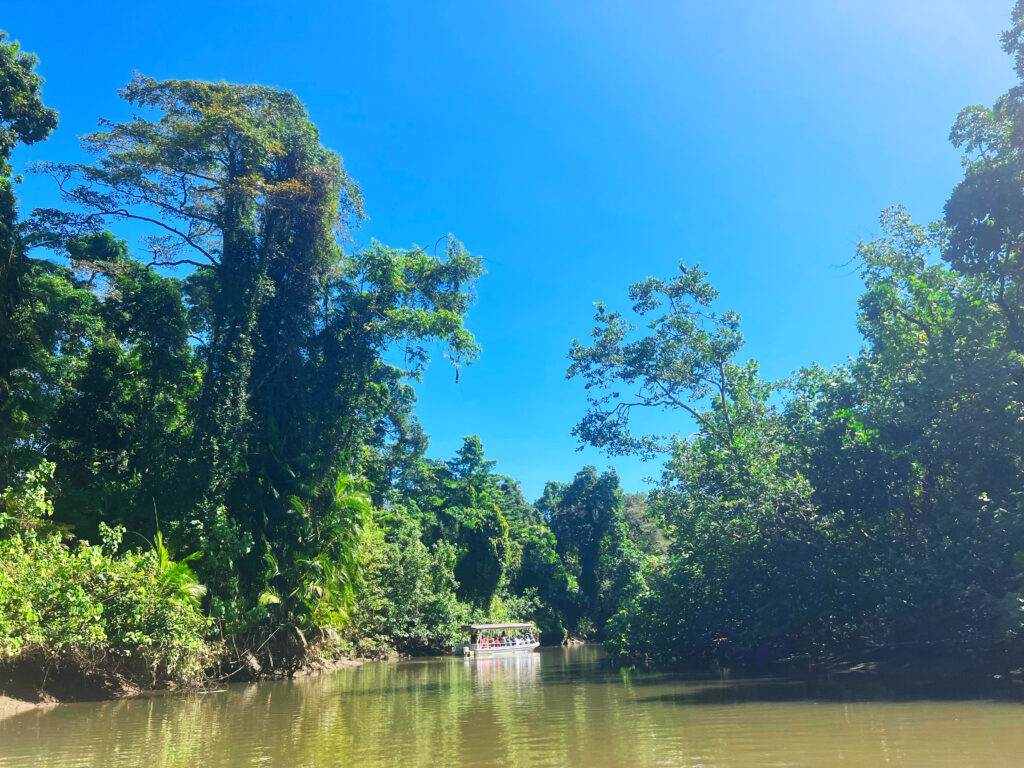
[(578, 147)]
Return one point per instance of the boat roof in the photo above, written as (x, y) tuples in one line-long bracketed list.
[(480, 627)]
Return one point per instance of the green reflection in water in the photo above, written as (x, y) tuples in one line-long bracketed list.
[(556, 707)]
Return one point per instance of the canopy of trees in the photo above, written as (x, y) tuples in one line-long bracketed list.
[(873, 506)]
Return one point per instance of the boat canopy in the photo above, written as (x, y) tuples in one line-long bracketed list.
[(492, 627)]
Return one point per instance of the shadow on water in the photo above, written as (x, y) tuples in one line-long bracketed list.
[(590, 666), (769, 690)]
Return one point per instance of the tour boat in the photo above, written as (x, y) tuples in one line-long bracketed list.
[(497, 639)]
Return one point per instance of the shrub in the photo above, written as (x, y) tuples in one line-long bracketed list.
[(131, 613), (408, 600)]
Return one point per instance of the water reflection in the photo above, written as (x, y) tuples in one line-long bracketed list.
[(556, 707), (517, 669)]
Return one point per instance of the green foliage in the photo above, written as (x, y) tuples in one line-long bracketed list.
[(25, 366), (878, 505), (175, 580), (580, 515), (513, 561), (120, 422), (259, 410), (408, 603), (746, 548), (327, 574), (224, 544), (682, 362), (875, 505), (543, 572), (736, 509), (235, 405), (914, 449), (135, 611), (24, 119), (87, 598), (461, 501), (25, 505)]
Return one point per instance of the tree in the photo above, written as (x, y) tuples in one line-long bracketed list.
[(120, 426), (408, 603), (914, 451), (542, 570), (985, 212), (291, 332), (686, 360), (735, 505), (25, 349), (24, 119), (580, 514), (461, 501)]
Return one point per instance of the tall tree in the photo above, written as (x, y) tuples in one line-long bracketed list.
[(580, 514), (291, 330), (463, 502), (24, 346), (737, 509)]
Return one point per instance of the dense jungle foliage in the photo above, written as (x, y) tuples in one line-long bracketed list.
[(227, 405), (876, 505)]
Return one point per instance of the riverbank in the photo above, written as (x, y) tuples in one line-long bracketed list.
[(36, 681), (920, 663), (43, 682)]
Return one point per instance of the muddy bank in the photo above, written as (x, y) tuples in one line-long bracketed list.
[(924, 663), (37, 677), (34, 681)]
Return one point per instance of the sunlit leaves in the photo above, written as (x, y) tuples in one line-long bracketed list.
[(682, 362)]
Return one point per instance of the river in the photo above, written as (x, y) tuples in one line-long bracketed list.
[(550, 708)]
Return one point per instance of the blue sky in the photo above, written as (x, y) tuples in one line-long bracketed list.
[(579, 147)]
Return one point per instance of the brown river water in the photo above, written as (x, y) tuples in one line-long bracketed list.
[(550, 708)]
